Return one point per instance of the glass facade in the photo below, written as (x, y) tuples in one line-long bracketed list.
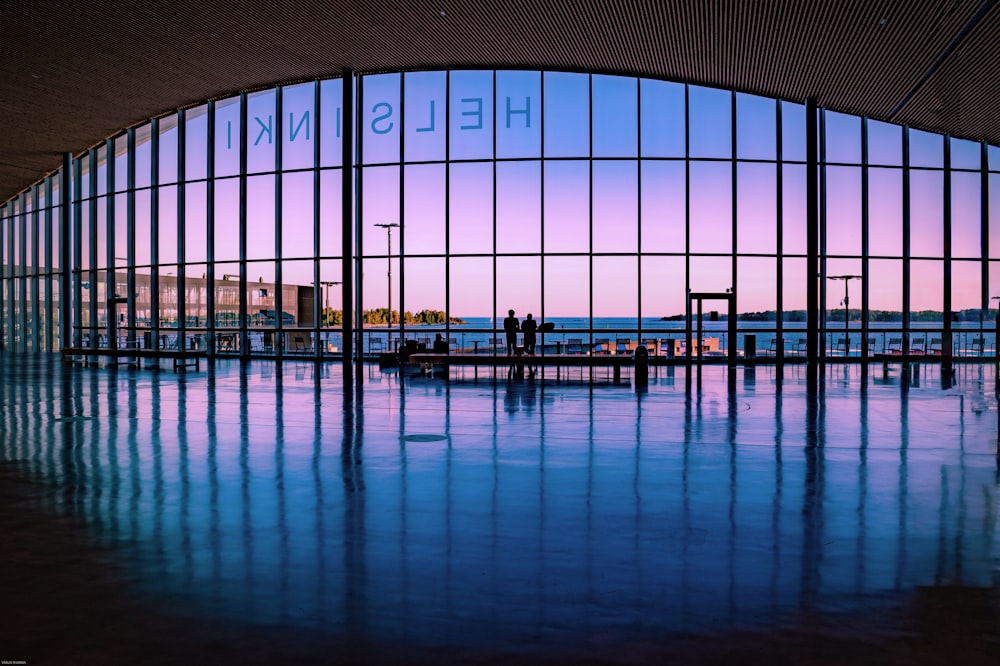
[(597, 203)]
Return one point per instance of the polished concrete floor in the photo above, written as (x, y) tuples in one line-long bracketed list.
[(253, 514)]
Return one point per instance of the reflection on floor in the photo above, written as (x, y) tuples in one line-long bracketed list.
[(252, 513)]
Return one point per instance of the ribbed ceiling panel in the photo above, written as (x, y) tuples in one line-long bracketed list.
[(72, 79)]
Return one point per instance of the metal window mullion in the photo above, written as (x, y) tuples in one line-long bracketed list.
[(447, 200), (277, 343), (92, 223), (130, 231), (779, 329), (734, 248), (181, 285), (243, 322), (822, 191), (687, 225), (316, 228), (154, 230), (353, 241), (906, 239), (210, 227), (865, 247), (38, 272), (402, 231), (49, 332), (348, 265), (984, 225), (638, 206), (74, 178), (946, 305), (26, 271), (812, 239), (590, 208), (493, 153)]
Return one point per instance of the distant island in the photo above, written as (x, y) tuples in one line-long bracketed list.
[(379, 316), (969, 314)]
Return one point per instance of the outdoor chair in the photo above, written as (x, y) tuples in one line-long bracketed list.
[(574, 345), (895, 346), (376, 345), (935, 346), (844, 346), (871, 346), (918, 345)]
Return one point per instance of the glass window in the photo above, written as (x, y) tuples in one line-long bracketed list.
[(227, 137), (885, 143), (102, 170), (519, 114), (664, 195), (885, 212), (168, 149), (424, 111), (297, 215), (713, 274), (756, 208), (518, 286), (710, 122), (143, 155), (756, 132), (121, 229), (611, 301), (966, 289), (662, 118), (965, 154), (793, 209), (424, 210), (380, 118), (519, 206), (260, 217), (470, 224), (663, 287), (471, 115), (711, 207), (261, 129), (567, 114), (121, 163), (994, 222), (102, 233), (926, 291), (615, 114), (885, 290), (331, 118), (424, 285), (143, 233), (380, 198), (331, 214), (167, 225), (470, 294), (567, 206), (567, 291), (966, 215), (793, 131), (196, 143), (195, 223), (926, 214), (843, 211), (757, 284), (615, 206), (298, 133), (926, 149), (843, 138), (993, 157), (227, 221)]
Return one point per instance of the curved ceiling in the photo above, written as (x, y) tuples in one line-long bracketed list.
[(74, 77)]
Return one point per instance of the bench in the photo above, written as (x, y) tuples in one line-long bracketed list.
[(182, 358)]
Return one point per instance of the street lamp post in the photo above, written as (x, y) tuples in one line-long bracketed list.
[(389, 226), (847, 312), (328, 284)]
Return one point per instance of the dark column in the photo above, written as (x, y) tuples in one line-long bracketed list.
[(346, 222), (812, 235), (65, 257)]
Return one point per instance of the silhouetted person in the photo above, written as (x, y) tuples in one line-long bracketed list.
[(440, 344), (529, 326), (511, 326)]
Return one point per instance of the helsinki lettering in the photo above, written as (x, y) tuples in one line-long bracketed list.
[(469, 113)]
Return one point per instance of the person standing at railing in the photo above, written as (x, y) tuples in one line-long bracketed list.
[(511, 326), (529, 327)]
